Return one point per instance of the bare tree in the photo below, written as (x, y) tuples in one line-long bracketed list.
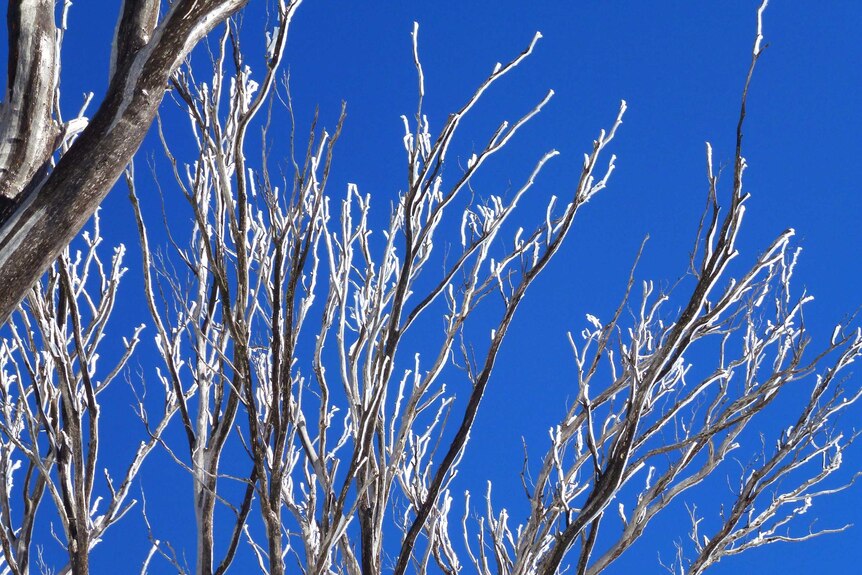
[(287, 329), (45, 201), (257, 266)]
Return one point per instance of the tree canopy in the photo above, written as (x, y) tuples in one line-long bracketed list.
[(449, 297)]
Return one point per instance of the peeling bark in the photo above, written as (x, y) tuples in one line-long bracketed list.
[(138, 19), (27, 128), (49, 215)]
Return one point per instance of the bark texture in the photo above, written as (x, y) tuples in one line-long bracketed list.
[(27, 127), (37, 219)]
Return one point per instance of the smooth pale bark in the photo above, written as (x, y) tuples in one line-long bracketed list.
[(37, 221)]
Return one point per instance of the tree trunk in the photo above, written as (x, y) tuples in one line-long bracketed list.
[(39, 218)]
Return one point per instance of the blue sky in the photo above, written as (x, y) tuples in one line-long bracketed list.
[(680, 67)]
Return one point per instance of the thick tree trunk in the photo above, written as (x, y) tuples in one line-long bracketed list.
[(79, 561), (45, 217)]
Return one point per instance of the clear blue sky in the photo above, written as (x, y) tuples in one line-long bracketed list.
[(680, 66)]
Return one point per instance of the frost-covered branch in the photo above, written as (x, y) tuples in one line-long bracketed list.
[(51, 378)]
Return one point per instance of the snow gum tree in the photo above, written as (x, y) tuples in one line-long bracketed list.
[(296, 333)]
